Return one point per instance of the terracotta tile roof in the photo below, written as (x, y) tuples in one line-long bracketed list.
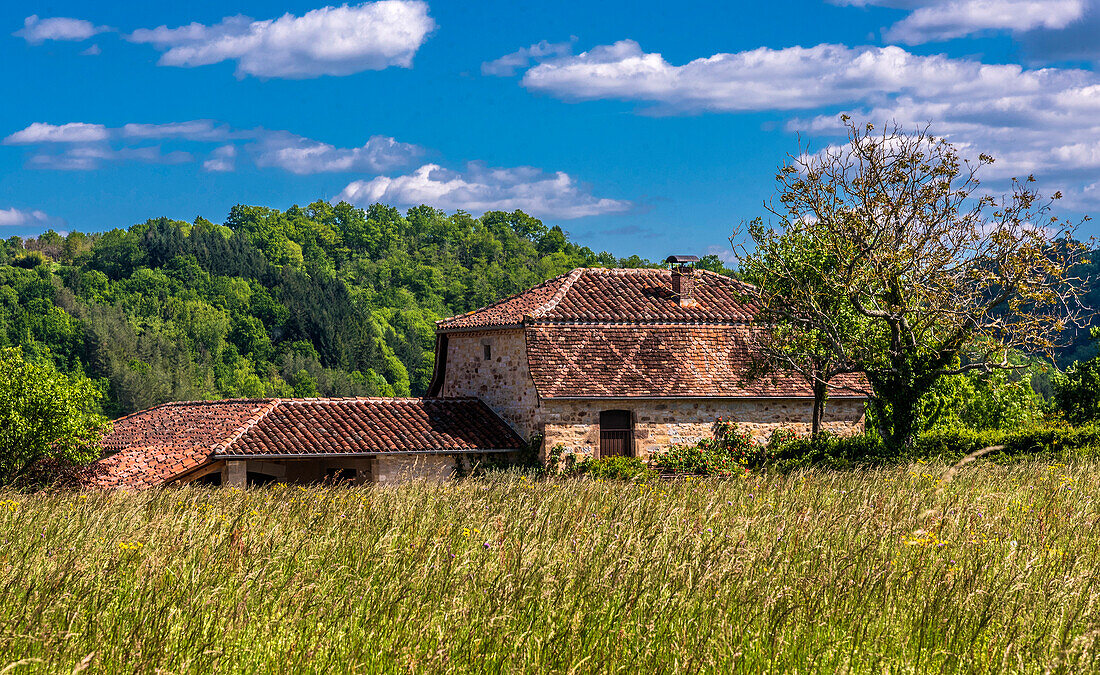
[(673, 361), (158, 444), (308, 426), (166, 442), (614, 295), (509, 311)]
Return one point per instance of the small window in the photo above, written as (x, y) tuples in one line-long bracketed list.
[(487, 351)]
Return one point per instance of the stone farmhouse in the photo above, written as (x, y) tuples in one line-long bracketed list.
[(595, 362)]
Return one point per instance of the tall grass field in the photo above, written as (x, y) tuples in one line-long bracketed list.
[(870, 571)]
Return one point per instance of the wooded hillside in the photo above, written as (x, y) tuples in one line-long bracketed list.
[(323, 300)]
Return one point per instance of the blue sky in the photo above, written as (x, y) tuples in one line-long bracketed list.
[(638, 127)]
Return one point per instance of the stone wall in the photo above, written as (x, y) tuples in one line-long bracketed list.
[(382, 469), (399, 468), (660, 424), (502, 381)]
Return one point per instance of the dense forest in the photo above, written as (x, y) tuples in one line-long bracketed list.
[(326, 300)]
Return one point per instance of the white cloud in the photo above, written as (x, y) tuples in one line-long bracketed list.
[(86, 146), (481, 188), (508, 64), (300, 155), (936, 20), (194, 130), (18, 218), (725, 253), (73, 132), (36, 31), (1044, 121), (222, 159), (776, 79), (94, 50), (93, 156), (328, 41)]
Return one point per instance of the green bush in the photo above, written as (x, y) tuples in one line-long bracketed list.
[(730, 452), (1051, 441), (1077, 391), (615, 468)]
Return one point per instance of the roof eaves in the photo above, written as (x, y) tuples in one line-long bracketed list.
[(478, 329), (372, 453), (747, 397)]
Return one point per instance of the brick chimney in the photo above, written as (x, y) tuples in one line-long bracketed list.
[(683, 279)]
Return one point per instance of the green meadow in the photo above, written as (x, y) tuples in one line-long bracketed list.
[(871, 571)]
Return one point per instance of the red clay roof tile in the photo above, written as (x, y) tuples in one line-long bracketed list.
[(659, 361), (164, 443), (615, 295)]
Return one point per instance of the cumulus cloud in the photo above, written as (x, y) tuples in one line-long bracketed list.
[(328, 41), (936, 20), (508, 64), (300, 155), (1043, 120), (36, 31), (776, 79), (19, 218), (482, 188), (222, 159), (1076, 41)]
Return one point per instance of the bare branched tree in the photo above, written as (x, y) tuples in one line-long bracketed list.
[(890, 261)]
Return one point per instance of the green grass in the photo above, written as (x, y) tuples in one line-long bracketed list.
[(805, 572)]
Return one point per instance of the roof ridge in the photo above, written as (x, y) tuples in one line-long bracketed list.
[(450, 319), (244, 428), (171, 404), (352, 399), (557, 297), (725, 277)]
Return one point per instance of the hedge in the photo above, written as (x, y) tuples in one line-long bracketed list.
[(1056, 442)]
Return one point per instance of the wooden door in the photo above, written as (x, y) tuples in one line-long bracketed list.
[(616, 434)]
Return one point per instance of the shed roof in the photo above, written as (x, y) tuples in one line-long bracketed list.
[(169, 441)]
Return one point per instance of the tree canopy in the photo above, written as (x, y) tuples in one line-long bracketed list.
[(44, 414), (323, 300), (924, 273)]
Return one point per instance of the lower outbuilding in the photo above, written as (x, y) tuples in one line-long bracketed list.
[(254, 441)]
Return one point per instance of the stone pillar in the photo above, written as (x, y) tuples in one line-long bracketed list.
[(235, 474)]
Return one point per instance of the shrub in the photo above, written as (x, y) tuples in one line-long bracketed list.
[(1051, 441), (1077, 391), (615, 468), (730, 452)]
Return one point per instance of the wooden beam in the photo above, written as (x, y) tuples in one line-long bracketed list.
[(199, 473)]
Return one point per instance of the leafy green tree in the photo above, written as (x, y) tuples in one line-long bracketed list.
[(999, 399), (946, 278), (1077, 390), (44, 414), (789, 269)]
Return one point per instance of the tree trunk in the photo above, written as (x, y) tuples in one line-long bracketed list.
[(820, 392)]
